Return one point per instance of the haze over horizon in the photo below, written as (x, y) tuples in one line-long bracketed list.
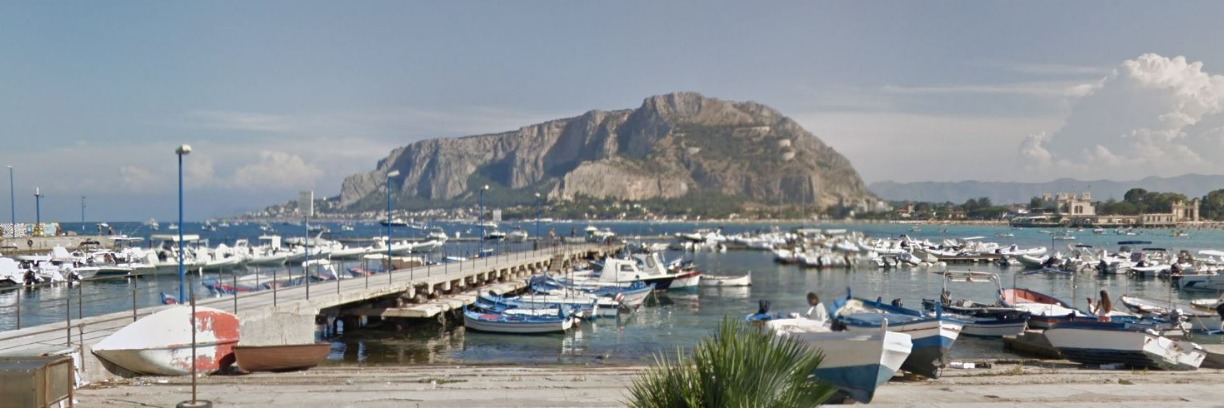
[(278, 96)]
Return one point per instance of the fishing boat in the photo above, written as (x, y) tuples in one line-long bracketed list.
[(1199, 320), (1044, 309), (160, 343), (288, 357), (979, 319), (855, 362), (1123, 343), (932, 336), (708, 280), (516, 323)]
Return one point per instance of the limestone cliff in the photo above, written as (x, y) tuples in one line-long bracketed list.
[(671, 145)]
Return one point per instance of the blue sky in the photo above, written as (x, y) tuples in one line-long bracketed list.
[(280, 96)]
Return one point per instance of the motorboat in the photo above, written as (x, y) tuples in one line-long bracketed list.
[(855, 362)]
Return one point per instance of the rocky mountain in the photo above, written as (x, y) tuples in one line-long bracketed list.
[(1192, 185), (670, 146)]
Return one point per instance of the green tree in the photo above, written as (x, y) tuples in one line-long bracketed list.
[(735, 368), (1212, 207)]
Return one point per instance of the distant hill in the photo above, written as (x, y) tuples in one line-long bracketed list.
[(670, 146), (1192, 185)]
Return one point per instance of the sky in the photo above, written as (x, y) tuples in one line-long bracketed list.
[(276, 97)]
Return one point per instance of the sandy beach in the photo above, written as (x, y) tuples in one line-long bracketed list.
[(1005, 385)]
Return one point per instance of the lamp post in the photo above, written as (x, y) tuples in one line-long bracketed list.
[(181, 151), (12, 203), (82, 213), (392, 173), (37, 211), (537, 234), (480, 251)]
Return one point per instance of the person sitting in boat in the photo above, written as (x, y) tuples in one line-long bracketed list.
[(946, 297), (1102, 307), (817, 310)]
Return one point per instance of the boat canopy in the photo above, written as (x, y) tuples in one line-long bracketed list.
[(1134, 242)]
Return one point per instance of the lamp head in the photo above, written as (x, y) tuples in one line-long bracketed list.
[(486, 186), (393, 173), (183, 150), (537, 195)]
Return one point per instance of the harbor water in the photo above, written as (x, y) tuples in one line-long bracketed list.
[(671, 321)]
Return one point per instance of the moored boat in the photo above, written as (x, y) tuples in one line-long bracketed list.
[(1045, 310), (516, 323), (288, 357), (932, 336), (1123, 343), (160, 343), (855, 362)]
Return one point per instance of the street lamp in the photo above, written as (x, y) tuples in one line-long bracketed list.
[(82, 213), (181, 151), (12, 203), (392, 173), (37, 211), (537, 217), (480, 252)]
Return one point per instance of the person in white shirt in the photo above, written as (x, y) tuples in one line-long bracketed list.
[(817, 310)]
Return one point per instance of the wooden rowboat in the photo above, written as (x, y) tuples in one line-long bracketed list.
[(287, 357)]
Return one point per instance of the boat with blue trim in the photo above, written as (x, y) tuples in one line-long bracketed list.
[(932, 336)]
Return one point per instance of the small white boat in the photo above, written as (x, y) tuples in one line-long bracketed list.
[(854, 362), (160, 343), (516, 323), (1121, 343), (708, 280)]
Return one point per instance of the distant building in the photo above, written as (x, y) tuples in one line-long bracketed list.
[(1068, 205)]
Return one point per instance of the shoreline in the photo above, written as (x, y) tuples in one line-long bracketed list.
[(1008, 383)]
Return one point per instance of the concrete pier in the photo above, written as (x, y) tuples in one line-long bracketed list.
[(288, 315)]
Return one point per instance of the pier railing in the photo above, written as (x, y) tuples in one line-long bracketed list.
[(82, 316)]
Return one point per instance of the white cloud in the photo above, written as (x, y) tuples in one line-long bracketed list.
[(138, 179), (276, 170), (1052, 69), (243, 121), (1152, 115), (1036, 88)]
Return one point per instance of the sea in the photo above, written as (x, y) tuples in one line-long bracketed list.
[(671, 322)]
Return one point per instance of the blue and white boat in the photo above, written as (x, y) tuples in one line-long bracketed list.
[(590, 305), (979, 319), (932, 336), (1127, 344), (517, 323), (855, 362)]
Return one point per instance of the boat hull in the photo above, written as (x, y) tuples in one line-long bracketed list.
[(1112, 343), (289, 357), (486, 322), (160, 344), (725, 281), (932, 336), (858, 363)]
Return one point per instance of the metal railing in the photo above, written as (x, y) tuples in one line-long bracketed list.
[(82, 315)]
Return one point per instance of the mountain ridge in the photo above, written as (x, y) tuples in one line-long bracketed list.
[(669, 146)]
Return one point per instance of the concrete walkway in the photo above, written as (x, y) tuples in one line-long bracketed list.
[(606, 386)]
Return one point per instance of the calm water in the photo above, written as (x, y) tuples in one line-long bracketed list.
[(672, 320)]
